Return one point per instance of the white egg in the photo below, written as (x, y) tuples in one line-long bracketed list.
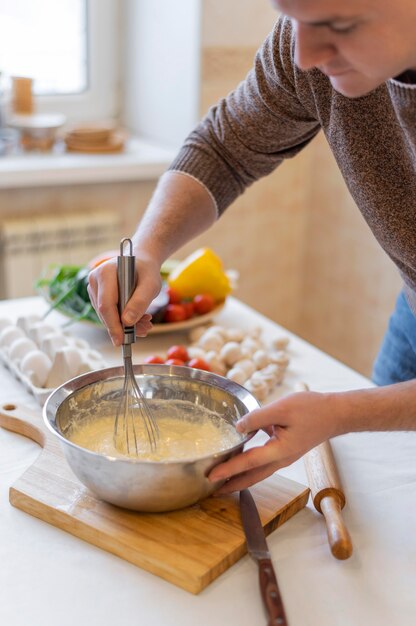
[(36, 366), (5, 321), (20, 347), (9, 334)]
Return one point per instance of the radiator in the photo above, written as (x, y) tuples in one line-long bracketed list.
[(28, 246)]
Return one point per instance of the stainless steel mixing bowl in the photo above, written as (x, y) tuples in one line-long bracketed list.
[(137, 484)]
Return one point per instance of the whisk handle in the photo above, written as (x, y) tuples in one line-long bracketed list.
[(126, 275)]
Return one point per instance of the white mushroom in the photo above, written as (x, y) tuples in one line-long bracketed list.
[(247, 366), (235, 334), (261, 359), (215, 362), (231, 353), (254, 332), (211, 341), (196, 353), (249, 346), (219, 329), (259, 389), (196, 333), (237, 375), (280, 358), (300, 386), (281, 342)]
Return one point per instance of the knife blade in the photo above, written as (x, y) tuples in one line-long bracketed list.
[(259, 551)]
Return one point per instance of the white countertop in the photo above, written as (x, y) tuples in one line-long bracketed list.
[(51, 577)]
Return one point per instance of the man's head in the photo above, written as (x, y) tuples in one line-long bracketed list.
[(358, 44)]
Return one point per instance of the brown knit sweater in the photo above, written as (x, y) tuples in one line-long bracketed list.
[(278, 109)]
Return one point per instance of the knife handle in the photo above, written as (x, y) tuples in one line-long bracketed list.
[(270, 594)]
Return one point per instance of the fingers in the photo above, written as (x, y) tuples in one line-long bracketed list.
[(144, 325), (247, 479), (148, 288), (249, 460), (103, 292), (263, 418)]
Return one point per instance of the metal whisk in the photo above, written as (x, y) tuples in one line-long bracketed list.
[(133, 405)]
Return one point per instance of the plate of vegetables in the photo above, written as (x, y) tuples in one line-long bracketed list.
[(193, 291)]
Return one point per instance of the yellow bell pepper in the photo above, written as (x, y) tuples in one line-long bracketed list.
[(200, 272)]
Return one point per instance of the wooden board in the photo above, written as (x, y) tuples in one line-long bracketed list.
[(189, 548)]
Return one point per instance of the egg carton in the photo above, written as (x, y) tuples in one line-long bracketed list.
[(42, 356)]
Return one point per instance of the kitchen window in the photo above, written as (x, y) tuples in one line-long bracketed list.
[(69, 48)]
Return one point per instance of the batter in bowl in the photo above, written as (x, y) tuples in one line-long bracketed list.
[(187, 431)]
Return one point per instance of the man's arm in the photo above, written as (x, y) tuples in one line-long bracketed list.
[(180, 209), (301, 421)]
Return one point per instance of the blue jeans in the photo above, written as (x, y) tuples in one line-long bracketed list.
[(396, 360)]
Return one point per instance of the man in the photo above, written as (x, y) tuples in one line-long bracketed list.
[(345, 67)]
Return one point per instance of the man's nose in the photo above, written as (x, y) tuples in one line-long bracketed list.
[(311, 47)]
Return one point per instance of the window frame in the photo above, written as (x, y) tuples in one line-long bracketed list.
[(100, 100)]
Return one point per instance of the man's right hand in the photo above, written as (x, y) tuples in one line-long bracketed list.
[(103, 292)]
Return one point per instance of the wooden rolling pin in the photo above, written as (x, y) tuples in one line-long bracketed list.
[(327, 494)]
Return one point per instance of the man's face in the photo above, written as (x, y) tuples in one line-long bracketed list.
[(358, 44)]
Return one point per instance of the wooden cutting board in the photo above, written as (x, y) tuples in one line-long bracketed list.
[(189, 548)]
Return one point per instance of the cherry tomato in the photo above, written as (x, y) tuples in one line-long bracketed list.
[(175, 362), (178, 352), (101, 258), (173, 295), (188, 305), (174, 313), (154, 358), (199, 364), (203, 303)]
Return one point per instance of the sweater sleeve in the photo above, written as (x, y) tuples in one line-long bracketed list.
[(251, 131)]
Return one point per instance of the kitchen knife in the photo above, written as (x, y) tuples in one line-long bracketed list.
[(259, 551), (327, 494)]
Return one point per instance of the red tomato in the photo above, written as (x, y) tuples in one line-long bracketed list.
[(175, 362), (154, 358), (188, 305), (174, 313), (199, 364), (173, 295), (203, 303), (178, 352)]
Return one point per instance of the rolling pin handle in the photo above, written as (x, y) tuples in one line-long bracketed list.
[(338, 536)]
